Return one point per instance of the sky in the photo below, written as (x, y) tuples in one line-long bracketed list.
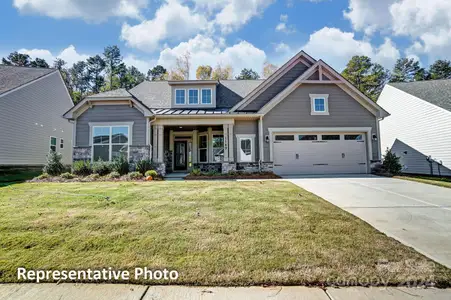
[(240, 33)]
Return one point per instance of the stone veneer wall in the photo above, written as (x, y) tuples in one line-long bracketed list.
[(81, 153), (254, 167), (208, 167)]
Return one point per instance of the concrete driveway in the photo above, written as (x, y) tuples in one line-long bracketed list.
[(416, 214)]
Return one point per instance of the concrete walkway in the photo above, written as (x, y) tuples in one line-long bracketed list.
[(416, 214), (138, 292)]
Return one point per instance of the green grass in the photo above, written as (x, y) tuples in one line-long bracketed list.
[(438, 181), (212, 233)]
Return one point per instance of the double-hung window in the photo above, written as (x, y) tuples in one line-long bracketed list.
[(203, 148), (180, 96), (61, 143), (246, 150), (53, 144), (206, 96), (320, 104), (218, 148), (110, 142), (193, 96)]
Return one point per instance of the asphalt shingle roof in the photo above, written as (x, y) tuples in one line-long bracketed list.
[(113, 93), (437, 92), (12, 77)]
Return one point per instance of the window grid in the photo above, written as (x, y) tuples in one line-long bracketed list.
[(206, 96), (320, 105), (193, 97), (179, 96), (115, 138)]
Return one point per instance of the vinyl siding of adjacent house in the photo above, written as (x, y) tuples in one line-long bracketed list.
[(423, 128), (29, 116), (295, 112), (111, 113), (248, 127), (276, 88)]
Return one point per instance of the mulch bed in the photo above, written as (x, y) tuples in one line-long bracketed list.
[(244, 176)]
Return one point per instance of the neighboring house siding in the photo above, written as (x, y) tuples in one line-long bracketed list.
[(29, 116), (245, 127), (276, 88), (111, 113), (424, 127), (295, 112)]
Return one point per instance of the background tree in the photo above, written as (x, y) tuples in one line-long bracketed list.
[(368, 77), (133, 77), (204, 72), (79, 80), (183, 65), (157, 73), (112, 57), (441, 69), (95, 67), (17, 59), (248, 74), (222, 73), (39, 63), (406, 70), (60, 65), (269, 69), (176, 75)]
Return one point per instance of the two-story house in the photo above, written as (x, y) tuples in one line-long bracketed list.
[(304, 119)]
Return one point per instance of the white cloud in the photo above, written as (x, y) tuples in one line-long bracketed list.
[(282, 48), (337, 47), (284, 18), (172, 20), (283, 27), (368, 16), (94, 11), (236, 13), (69, 55), (141, 64), (205, 51)]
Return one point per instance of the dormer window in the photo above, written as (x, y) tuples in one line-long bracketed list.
[(193, 97), (206, 96), (180, 97), (319, 104)]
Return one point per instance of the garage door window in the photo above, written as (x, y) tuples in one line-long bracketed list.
[(246, 148), (284, 137), (353, 137), (330, 137), (308, 137)]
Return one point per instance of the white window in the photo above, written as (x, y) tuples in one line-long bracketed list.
[(218, 148), (193, 97), (61, 144), (203, 148), (53, 143), (320, 104), (110, 142), (180, 96), (246, 150), (206, 96)]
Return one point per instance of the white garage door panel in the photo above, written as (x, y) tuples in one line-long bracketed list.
[(320, 157)]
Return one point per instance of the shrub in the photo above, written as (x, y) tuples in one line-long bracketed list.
[(213, 173), (43, 176), (53, 167), (120, 165), (113, 175), (101, 167), (94, 176), (152, 173), (196, 172), (67, 175), (135, 175), (82, 168), (391, 163), (143, 166)]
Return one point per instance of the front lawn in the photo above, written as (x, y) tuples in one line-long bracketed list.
[(438, 181), (212, 233)]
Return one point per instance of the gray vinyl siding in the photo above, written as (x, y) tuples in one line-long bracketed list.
[(414, 162), (276, 88), (245, 127), (295, 111), (111, 113), (29, 116)]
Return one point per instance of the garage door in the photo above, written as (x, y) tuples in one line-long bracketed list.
[(319, 153)]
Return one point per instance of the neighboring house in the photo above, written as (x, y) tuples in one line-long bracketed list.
[(32, 101), (419, 129), (304, 119)]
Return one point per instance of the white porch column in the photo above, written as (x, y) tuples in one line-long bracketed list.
[(171, 140), (155, 143), (231, 141), (195, 146), (210, 145), (160, 143), (226, 142), (261, 154)]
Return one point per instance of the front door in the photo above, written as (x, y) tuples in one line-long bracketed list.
[(180, 155)]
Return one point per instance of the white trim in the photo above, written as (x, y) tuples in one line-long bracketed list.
[(225, 129), (29, 83), (74, 134), (175, 97), (231, 144), (198, 92), (147, 132), (239, 137), (93, 125), (379, 143), (366, 130), (260, 140), (211, 96), (194, 121), (313, 110)]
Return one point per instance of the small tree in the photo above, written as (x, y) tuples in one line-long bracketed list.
[(54, 166), (248, 74), (391, 163)]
